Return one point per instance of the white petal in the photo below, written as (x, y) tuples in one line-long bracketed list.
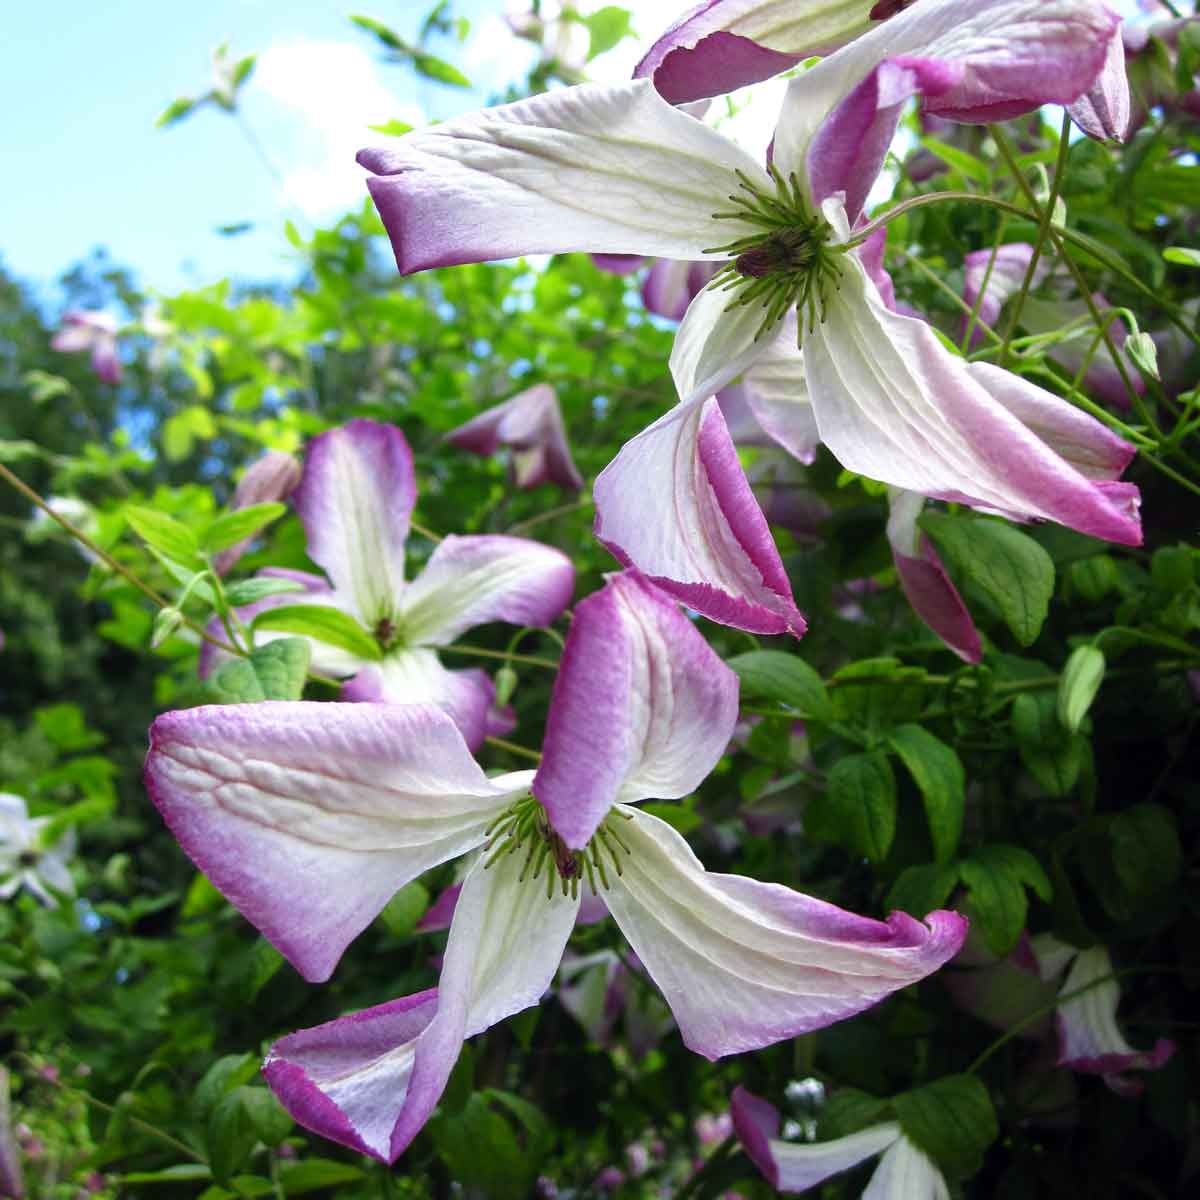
[(804, 1165), (714, 346), (906, 1173)]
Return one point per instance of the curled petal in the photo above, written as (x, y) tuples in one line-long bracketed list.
[(906, 1172), (608, 169), (469, 581), (928, 587), (715, 344), (416, 676), (776, 391), (530, 422), (441, 912), (1103, 111), (675, 503), (1004, 271), (309, 817), (371, 1081), (893, 404), (642, 708), (355, 499), (754, 39), (744, 964)]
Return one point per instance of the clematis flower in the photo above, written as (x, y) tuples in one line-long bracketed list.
[(274, 476), (25, 861), (355, 499), (89, 329), (1088, 1037), (905, 1171), (618, 170), (309, 817), (531, 426)]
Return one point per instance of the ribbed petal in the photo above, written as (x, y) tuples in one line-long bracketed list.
[(470, 581), (928, 587), (775, 389), (675, 503), (744, 964), (1103, 111), (1088, 1037), (893, 404), (642, 708), (713, 346), (604, 168), (688, 63), (355, 499), (372, 1085), (417, 676), (1015, 55), (531, 420), (309, 817), (906, 1173)]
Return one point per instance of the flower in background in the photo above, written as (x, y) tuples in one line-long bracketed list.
[(274, 476), (310, 816), (11, 1180), (25, 861), (670, 284), (530, 425), (905, 1172), (88, 329), (355, 499)]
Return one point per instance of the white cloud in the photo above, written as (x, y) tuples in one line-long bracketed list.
[(320, 97)]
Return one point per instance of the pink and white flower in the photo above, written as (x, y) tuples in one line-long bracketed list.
[(91, 330), (309, 817), (25, 858)]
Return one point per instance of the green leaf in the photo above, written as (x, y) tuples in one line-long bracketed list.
[(391, 39), (952, 1120), (267, 1117), (847, 1111), (1078, 685), (919, 890), (402, 912), (436, 68), (202, 897), (392, 128), (175, 112), (481, 1148), (784, 678), (858, 806), (233, 527), (1183, 255), (181, 1173), (251, 591), (938, 773), (275, 671), (229, 1136), (682, 817), (1145, 848), (1015, 573), (166, 535), (607, 27), (225, 1075), (65, 727), (328, 625), (965, 164), (996, 877), (1052, 756), (311, 1174)]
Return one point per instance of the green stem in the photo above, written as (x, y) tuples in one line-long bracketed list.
[(513, 748), (936, 279), (529, 659), (425, 533), (549, 515)]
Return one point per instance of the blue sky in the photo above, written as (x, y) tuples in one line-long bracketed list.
[(84, 165)]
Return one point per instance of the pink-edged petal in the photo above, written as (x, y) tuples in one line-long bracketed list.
[(756, 1123), (675, 503), (470, 581), (106, 363), (1014, 54), (309, 817), (1004, 269), (848, 150), (441, 912), (417, 676), (744, 964), (348, 1079), (371, 1080), (1088, 1037), (1103, 111), (355, 499), (642, 707), (598, 167), (72, 338), (754, 40), (530, 422), (274, 476), (906, 1172), (928, 587), (894, 404), (672, 284)]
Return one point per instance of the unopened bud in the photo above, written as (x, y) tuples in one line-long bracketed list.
[(506, 684), (165, 624)]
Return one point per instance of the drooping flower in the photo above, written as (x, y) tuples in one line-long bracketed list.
[(309, 817), (25, 861), (355, 499), (89, 329), (618, 170), (274, 476), (531, 426), (905, 1171)]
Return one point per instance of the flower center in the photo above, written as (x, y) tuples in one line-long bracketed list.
[(526, 827), (27, 858), (790, 263)]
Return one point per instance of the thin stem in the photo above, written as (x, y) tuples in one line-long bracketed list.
[(1060, 165), (529, 659), (935, 278), (425, 533), (550, 514), (973, 316), (108, 559), (513, 748), (715, 1159)]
